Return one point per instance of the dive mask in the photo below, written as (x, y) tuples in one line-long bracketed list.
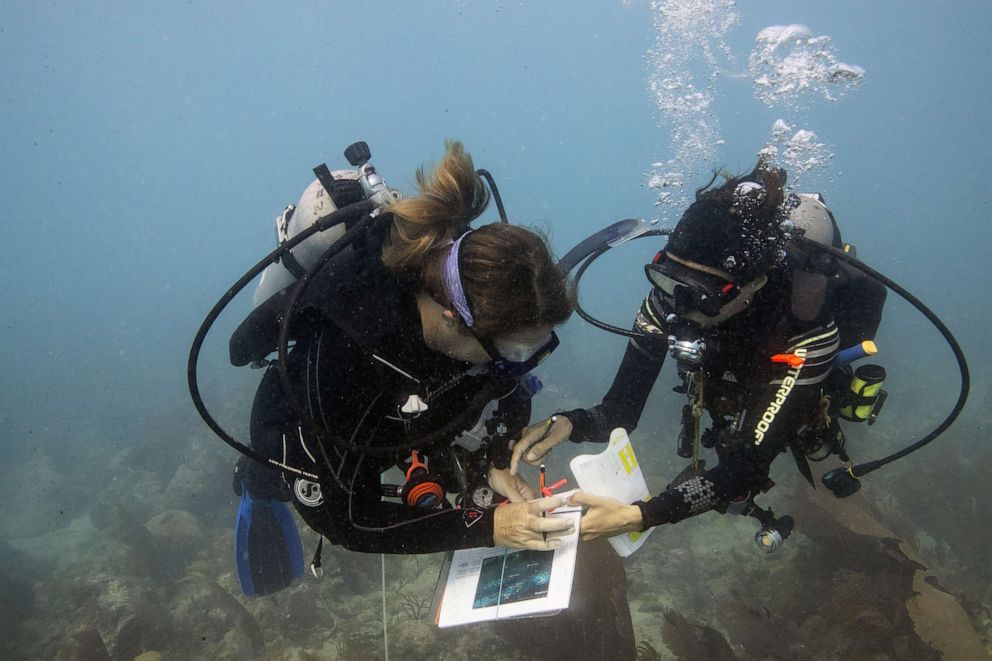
[(509, 359), (687, 290), (512, 359)]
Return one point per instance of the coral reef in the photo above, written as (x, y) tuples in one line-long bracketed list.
[(179, 537), (894, 572)]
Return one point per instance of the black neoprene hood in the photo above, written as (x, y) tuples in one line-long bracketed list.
[(709, 234), (706, 234)]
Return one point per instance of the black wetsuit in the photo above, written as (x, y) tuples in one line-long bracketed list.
[(759, 407), (359, 355)]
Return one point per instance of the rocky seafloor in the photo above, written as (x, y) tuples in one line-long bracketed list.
[(136, 563)]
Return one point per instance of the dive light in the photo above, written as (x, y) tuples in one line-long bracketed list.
[(774, 533)]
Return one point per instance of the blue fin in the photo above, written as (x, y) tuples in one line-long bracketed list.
[(268, 552)]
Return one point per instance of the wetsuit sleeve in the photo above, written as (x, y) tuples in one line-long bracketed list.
[(773, 419), (624, 402)]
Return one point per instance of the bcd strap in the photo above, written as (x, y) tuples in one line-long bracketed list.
[(325, 177), (342, 191), (288, 260), (853, 399), (315, 567)]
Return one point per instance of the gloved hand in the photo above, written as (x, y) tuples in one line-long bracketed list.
[(605, 517), (537, 441), (521, 526), (510, 486)]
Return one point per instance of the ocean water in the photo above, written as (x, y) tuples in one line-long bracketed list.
[(148, 147)]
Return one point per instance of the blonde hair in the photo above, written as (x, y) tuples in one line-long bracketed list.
[(509, 276), (450, 197)]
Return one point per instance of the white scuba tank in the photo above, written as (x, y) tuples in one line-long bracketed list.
[(615, 473), (809, 288), (314, 203), (810, 214)]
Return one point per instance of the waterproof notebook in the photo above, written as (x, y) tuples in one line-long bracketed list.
[(614, 472), (482, 584)]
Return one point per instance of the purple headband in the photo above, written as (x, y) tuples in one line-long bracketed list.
[(453, 283)]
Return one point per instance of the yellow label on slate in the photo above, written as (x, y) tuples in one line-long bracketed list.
[(627, 458)]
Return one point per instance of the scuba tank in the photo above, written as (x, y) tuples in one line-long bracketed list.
[(354, 211), (330, 191), (314, 203)]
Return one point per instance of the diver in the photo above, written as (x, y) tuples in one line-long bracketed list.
[(409, 350), (754, 324)]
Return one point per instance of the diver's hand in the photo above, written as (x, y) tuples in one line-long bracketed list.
[(510, 486), (537, 440), (605, 517), (521, 526)]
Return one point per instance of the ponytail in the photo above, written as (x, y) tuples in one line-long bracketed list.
[(451, 196), (508, 273)]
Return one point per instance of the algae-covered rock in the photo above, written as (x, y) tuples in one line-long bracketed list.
[(414, 640), (148, 627), (214, 623), (889, 593), (126, 611), (201, 483), (694, 640), (178, 534), (83, 645), (139, 552), (38, 499), (151, 655), (141, 490)]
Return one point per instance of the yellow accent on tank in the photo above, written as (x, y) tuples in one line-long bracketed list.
[(866, 382)]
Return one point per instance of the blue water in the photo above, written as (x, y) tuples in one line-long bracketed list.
[(147, 148)]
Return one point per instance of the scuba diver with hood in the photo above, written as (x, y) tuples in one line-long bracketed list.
[(754, 323), (408, 349)]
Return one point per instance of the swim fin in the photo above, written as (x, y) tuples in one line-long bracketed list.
[(268, 552)]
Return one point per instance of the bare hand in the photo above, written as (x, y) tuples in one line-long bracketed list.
[(510, 486), (537, 444), (605, 517), (521, 526)]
